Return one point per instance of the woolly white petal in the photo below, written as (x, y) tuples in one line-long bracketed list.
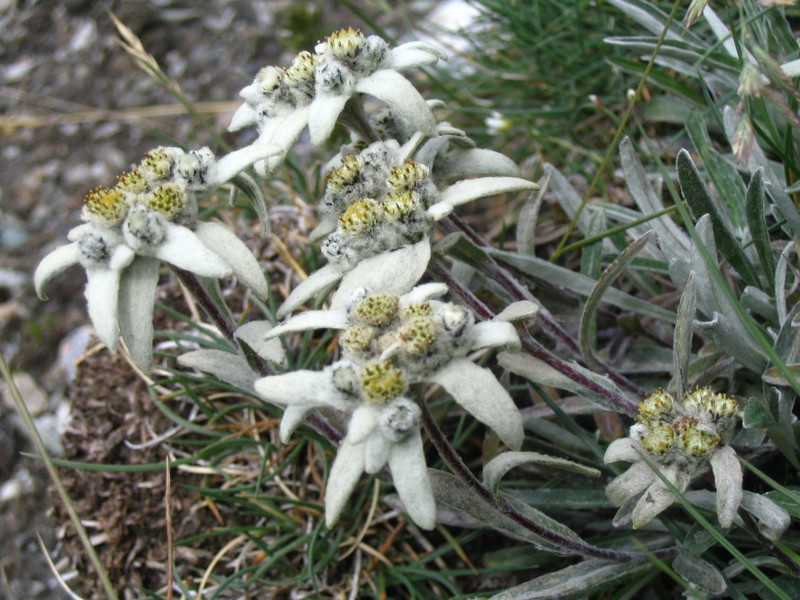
[(632, 482), (254, 334), (227, 245), (376, 452), (472, 189), (393, 272), (185, 250), (728, 481), (410, 476), (399, 93), (58, 261), (292, 419), (305, 388), (286, 129), (362, 423), (476, 161), (345, 472), (655, 500), (137, 295), (494, 334), (521, 310), (312, 319), (222, 365), (230, 165), (324, 112), (621, 450), (309, 288), (423, 293), (102, 292), (326, 226), (413, 54), (244, 116), (478, 391)]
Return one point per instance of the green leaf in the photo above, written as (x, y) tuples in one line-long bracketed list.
[(700, 202), (451, 491), (758, 226), (501, 464), (529, 215), (701, 574), (563, 499), (540, 372), (245, 184), (682, 339), (608, 277), (580, 579), (790, 503), (757, 414), (579, 284)]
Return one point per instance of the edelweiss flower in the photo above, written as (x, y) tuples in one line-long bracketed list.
[(684, 439), (390, 344), (314, 90), (151, 216), (385, 211), (427, 338)]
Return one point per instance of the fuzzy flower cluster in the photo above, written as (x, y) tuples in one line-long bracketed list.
[(683, 439), (315, 89), (378, 213), (389, 344), (149, 216)]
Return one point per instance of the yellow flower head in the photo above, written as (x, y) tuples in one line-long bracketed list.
[(656, 406), (132, 181), (346, 44), (347, 174), (698, 440), (105, 206), (405, 177), (659, 438), (359, 217), (357, 339), (400, 204), (169, 199), (376, 310), (380, 382), (417, 335)]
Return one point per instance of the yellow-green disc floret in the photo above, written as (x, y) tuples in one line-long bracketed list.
[(417, 335), (423, 309), (346, 174), (405, 177), (380, 382), (132, 181), (698, 440), (301, 70), (345, 44), (157, 164), (105, 206), (376, 310), (169, 199), (658, 439), (359, 217), (720, 406), (397, 205), (655, 406), (357, 339)]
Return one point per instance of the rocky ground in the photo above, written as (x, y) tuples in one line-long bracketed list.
[(76, 111)]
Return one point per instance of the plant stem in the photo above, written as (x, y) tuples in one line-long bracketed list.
[(536, 349), (573, 544), (520, 292)]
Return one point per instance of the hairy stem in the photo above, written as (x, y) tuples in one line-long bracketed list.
[(573, 544), (536, 349), (545, 318)]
